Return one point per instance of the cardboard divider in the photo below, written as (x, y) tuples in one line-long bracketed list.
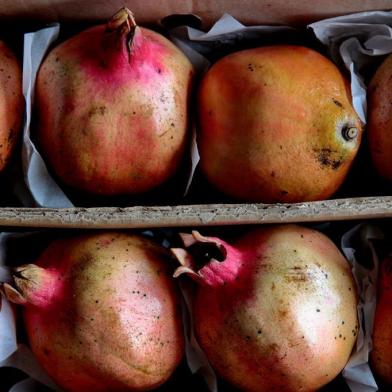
[(150, 11), (198, 215)]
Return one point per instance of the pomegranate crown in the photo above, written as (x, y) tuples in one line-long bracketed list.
[(32, 285), (121, 28), (207, 260)]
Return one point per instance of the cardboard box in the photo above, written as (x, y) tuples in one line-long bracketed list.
[(40, 12)]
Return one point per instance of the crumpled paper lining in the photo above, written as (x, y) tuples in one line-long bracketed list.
[(357, 371), (42, 188), (356, 40)]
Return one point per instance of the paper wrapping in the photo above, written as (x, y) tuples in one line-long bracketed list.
[(357, 371), (357, 40)]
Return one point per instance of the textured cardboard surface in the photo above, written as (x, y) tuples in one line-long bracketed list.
[(198, 215), (150, 11)]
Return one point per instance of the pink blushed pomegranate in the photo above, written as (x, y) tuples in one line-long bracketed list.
[(274, 312), (102, 312), (112, 108)]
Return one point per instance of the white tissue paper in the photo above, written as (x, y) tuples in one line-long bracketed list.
[(43, 189), (357, 40), (357, 372)]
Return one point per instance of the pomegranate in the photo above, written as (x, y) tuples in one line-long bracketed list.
[(381, 355), (380, 119), (112, 105), (11, 102), (102, 312), (274, 312), (276, 124)]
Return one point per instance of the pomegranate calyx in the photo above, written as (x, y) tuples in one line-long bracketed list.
[(203, 259), (13, 295), (123, 23), (123, 17), (32, 285)]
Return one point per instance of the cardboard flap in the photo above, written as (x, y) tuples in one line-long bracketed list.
[(150, 11)]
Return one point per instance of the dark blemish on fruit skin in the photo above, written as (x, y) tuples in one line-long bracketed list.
[(46, 352), (272, 174), (337, 103), (283, 193), (282, 313), (97, 110), (326, 157)]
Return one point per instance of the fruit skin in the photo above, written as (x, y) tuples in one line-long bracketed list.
[(279, 313), (112, 107), (270, 125), (103, 313), (11, 103), (380, 119), (381, 354)]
